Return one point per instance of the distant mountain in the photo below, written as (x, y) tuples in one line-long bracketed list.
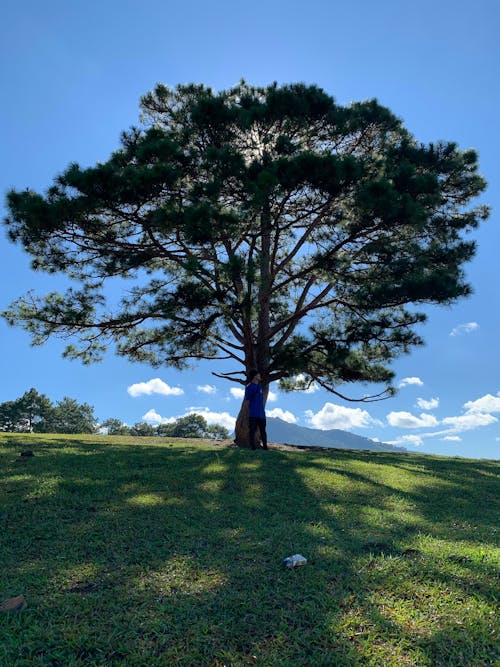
[(290, 434)]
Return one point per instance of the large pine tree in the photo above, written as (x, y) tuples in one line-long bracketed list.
[(269, 226)]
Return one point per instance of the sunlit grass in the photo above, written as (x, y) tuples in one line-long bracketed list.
[(145, 499), (145, 552)]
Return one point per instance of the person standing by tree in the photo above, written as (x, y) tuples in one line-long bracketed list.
[(256, 412)]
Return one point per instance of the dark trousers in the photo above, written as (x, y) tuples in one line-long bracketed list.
[(261, 423)]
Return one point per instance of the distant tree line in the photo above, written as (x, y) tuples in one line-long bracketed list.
[(35, 413), (189, 426)]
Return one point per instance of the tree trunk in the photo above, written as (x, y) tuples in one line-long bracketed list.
[(241, 429), (263, 337), (261, 351)]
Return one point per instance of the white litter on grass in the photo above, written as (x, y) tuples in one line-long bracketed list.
[(291, 562)]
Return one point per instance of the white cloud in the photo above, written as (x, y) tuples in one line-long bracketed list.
[(206, 388), (236, 392), (478, 414), (432, 404), (337, 416), (153, 417), (405, 382), (414, 440), (285, 415), (223, 418), (469, 421), (272, 396), (466, 328), (407, 420), (154, 386), (487, 403)]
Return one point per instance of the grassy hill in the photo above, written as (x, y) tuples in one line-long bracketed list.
[(149, 552)]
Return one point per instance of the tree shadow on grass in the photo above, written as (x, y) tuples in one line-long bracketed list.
[(451, 498), (172, 555)]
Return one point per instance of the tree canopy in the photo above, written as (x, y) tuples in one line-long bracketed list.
[(269, 226)]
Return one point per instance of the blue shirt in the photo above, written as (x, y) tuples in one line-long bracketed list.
[(255, 396)]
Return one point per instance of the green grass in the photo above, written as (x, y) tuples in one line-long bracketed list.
[(145, 552)]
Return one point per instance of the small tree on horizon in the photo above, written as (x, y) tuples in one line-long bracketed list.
[(115, 426), (36, 409), (35, 412), (143, 429), (268, 226), (9, 416), (69, 416)]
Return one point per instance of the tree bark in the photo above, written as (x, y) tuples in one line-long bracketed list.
[(264, 328), (242, 428), (262, 346)]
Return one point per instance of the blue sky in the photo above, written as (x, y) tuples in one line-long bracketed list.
[(71, 76)]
